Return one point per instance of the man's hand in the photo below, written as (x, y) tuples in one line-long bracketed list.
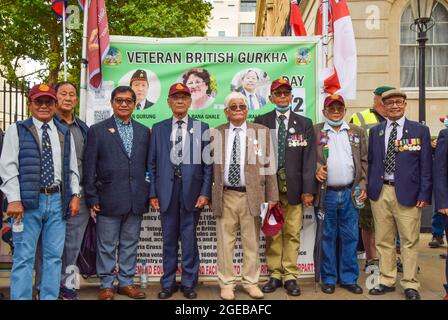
[(96, 208), (421, 204), (363, 196), (74, 206), (201, 202), (307, 199), (444, 211), (154, 203), (434, 143), (321, 174), (15, 210), (271, 204)]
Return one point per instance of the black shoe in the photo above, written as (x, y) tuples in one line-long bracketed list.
[(189, 293), (380, 290), (166, 293), (436, 242), (411, 294), (328, 288), (271, 285), (292, 288), (353, 288)]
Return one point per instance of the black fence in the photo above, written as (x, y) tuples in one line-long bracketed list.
[(12, 102)]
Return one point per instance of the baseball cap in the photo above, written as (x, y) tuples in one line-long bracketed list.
[(40, 90), (280, 82), (334, 98), (179, 87)]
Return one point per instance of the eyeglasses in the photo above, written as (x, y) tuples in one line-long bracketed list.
[(183, 98), (197, 83), (235, 107), (390, 103), (281, 93), (332, 109), (40, 103), (119, 101)]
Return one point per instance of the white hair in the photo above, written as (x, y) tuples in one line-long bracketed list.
[(233, 96)]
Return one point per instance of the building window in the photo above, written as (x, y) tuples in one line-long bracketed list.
[(221, 33), (247, 29), (436, 53), (248, 5)]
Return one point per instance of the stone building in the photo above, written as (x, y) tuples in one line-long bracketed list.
[(387, 49)]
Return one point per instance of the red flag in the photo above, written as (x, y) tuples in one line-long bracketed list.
[(57, 7), (344, 49), (332, 84), (81, 4), (295, 20), (97, 41)]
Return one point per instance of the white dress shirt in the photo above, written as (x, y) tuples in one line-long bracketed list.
[(340, 165), (9, 161), (389, 128), (174, 128), (286, 121), (230, 139)]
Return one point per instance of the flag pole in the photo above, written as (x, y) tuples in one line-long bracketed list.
[(325, 42), (64, 41), (83, 79)]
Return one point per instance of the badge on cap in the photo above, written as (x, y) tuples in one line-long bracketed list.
[(44, 87), (283, 81), (334, 96), (179, 86)]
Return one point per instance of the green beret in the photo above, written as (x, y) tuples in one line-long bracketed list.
[(380, 90)]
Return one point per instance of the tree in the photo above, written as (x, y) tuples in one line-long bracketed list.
[(29, 29)]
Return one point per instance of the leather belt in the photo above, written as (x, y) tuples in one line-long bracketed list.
[(389, 182), (340, 188), (50, 190), (238, 189)]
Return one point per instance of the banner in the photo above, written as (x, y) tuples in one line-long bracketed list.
[(211, 68)]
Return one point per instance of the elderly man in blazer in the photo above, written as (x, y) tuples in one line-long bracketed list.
[(343, 170), (293, 137), (441, 185), (116, 162), (399, 186), (244, 178), (181, 188)]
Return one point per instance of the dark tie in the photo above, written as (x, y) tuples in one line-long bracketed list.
[(139, 106), (389, 164), (235, 166), (281, 140), (178, 149), (251, 102), (46, 164)]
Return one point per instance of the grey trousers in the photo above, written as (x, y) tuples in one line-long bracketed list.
[(114, 233), (76, 227)]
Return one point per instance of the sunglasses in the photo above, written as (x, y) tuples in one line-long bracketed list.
[(235, 107)]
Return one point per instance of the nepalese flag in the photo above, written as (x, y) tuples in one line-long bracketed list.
[(57, 7)]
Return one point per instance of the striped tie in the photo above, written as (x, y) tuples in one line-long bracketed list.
[(389, 163), (235, 166)]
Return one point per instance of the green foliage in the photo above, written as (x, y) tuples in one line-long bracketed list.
[(29, 29)]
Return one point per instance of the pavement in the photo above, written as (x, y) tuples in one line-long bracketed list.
[(431, 276)]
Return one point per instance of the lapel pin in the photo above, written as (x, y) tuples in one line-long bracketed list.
[(381, 133), (292, 130), (111, 130), (191, 131)]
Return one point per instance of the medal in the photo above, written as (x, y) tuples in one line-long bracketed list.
[(292, 130), (418, 148)]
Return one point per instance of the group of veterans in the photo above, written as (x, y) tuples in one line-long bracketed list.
[(56, 172)]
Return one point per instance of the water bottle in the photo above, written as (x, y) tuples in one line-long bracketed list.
[(17, 231), (358, 203), (148, 176), (143, 276)]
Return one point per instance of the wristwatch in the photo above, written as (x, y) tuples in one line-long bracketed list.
[(77, 195)]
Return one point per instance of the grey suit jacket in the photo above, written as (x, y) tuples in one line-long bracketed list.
[(259, 170)]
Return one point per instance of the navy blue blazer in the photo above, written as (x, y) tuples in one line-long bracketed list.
[(196, 173), (441, 171), (413, 181), (112, 178)]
